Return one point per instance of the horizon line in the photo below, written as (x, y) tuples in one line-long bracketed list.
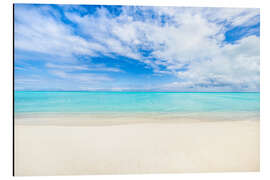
[(139, 91)]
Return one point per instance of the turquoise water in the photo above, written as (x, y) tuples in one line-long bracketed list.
[(28, 102)]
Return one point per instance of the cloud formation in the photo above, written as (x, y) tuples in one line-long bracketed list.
[(187, 44)]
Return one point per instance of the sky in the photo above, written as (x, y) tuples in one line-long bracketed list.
[(136, 48)]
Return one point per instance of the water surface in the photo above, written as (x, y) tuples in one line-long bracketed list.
[(130, 102)]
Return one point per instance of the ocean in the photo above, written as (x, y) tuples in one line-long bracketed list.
[(167, 102)]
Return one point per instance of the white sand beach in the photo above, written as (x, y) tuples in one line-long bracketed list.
[(135, 89), (151, 147)]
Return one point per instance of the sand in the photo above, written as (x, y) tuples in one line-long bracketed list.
[(151, 147)]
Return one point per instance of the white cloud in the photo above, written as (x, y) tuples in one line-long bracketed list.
[(67, 67), (234, 66), (72, 67), (40, 32), (190, 37), (80, 77)]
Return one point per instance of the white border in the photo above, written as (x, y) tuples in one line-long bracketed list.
[(202, 3), (6, 87)]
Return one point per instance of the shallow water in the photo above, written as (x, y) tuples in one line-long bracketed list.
[(130, 102)]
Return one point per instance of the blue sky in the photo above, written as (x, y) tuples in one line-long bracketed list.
[(136, 48)]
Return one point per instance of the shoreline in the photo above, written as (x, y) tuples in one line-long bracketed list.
[(115, 118)]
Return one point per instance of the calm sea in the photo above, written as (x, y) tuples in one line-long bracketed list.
[(129, 102)]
